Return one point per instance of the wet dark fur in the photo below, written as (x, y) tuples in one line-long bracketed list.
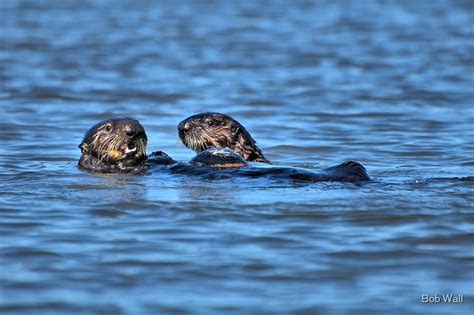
[(219, 158), (214, 130), (114, 145), (349, 171)]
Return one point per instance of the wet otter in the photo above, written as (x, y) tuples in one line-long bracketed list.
[(214, 130), (222, 142), (117, 145), (225, 163)]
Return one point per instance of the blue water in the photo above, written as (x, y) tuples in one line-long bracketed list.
[(388, 84)]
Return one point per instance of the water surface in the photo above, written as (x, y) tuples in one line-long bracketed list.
[(316, 83)]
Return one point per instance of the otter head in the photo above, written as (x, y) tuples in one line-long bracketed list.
[(119, 140), (215, 130)]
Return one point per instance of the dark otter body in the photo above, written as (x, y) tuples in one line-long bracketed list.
[(215, 164), (214, 130), (119, 145), (349, 171), (116, 145)]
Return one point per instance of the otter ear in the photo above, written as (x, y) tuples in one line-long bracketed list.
[(84, 148), (235, 130)]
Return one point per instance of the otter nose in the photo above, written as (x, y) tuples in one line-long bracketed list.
[(184, 126), (130, 131)]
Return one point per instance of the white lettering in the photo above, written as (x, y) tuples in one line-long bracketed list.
[(426, 298), (444, 298), (450, 298)]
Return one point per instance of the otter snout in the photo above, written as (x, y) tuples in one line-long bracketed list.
[(183, 128), (133, 129)]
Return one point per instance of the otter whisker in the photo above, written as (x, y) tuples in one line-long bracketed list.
[(196, 143), (102, 148), (202, 145), (188, 142), (193, 142), (116, 144), (141, 147)]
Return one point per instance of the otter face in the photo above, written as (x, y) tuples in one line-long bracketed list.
[(115, 140), (214, 130)]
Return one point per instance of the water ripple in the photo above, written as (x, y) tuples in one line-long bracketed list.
[(315, 83)]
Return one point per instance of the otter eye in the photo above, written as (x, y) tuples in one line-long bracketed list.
[(108, 128), (210, 123)]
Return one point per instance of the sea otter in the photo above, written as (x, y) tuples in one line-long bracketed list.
[(214, 130), (222, 142), (117, 145)]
